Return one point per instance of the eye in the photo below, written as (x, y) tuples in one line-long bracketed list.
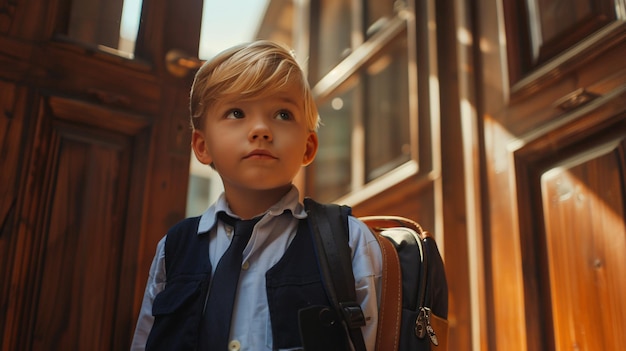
[(284, 115), (235, 114)]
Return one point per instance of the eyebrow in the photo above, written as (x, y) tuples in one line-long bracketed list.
[(280, 96), (295, 102)]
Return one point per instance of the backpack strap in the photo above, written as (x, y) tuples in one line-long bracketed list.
[(390, 308), (329, 228)]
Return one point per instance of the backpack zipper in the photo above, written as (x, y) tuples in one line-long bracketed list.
[(422, 326)]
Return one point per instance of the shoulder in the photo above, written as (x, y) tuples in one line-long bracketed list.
[(359, 234), (366, 252), (184, 226), (188, 227), (357, 226)]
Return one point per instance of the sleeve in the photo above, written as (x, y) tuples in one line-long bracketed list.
[(155, 284), (367, 268)]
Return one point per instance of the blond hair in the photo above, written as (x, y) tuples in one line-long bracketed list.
[(254, 69)]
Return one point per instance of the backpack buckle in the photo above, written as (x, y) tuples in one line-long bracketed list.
[(352, 314)]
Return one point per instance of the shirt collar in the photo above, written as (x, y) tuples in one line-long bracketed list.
[(289, 203)]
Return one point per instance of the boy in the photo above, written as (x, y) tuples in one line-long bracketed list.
[(254, 121)]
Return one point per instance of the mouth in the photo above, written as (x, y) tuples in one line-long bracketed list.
[(260, 154)]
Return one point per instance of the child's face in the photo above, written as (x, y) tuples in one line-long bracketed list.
[(256, 143)]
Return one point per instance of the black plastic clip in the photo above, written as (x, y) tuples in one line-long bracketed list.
[(352, 314)]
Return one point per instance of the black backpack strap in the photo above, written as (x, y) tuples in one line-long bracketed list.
[(329, 227)]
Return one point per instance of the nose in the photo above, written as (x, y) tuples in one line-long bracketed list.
[(260, 130)]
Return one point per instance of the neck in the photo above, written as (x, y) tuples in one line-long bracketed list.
[(248, 203)]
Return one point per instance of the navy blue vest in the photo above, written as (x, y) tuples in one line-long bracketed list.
[(293, 284)]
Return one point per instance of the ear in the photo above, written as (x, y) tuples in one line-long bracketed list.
[(200, 147), (311, 149)]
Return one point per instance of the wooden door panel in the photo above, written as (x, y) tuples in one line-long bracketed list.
[(551, 124), (75, 244), (92, 174), (571, 196), (583, 205), (83, 242), (11, 127)]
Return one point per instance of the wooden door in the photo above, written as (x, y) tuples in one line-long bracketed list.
[(94, 166), (552, 122)]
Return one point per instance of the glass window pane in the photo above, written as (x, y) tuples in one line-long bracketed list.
[(332, 168), (112, 25), (331, 42), (555, 17), (217, 16), (387, 129)]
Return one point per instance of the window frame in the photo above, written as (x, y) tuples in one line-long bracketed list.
[(330, 85)]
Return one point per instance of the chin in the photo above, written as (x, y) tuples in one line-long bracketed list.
[(272, 187)]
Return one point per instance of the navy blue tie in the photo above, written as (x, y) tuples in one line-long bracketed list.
[(219, 307)]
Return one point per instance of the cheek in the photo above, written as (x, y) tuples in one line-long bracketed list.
[(224, 146), (219, 139), (298, 148), (293, 139)]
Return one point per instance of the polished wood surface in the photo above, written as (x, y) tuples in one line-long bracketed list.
[(553, 141), (94, 167)]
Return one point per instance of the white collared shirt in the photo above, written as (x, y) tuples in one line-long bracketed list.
[(250, 326)]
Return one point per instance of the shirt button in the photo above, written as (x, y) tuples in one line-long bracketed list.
[(245, 265), (229, 231), (234, 345)]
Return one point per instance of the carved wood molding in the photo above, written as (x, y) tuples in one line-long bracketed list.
[(97, 116)]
